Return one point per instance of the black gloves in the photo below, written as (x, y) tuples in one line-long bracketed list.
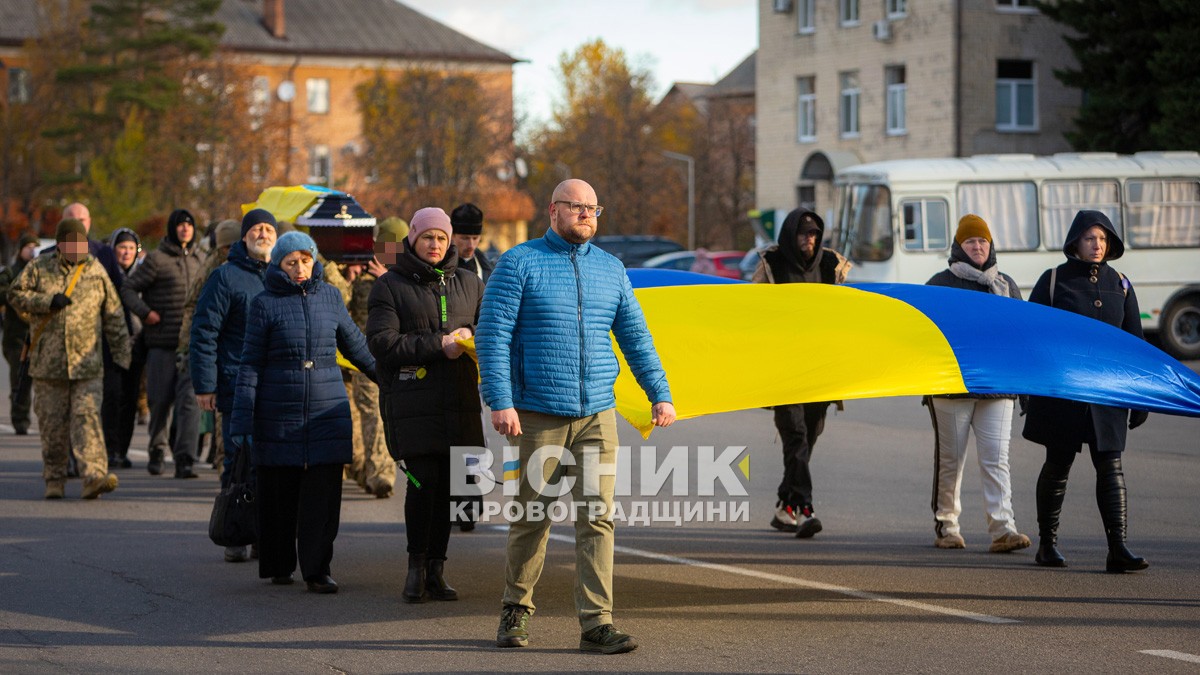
[(59, 301), (1137, 418)]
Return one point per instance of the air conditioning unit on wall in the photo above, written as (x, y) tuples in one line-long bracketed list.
[(882, 30), (783, 6)]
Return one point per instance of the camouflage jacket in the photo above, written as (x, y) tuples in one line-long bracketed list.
[(15, 327), (211, 263), (70, 345), (360, 290), (334, 277)]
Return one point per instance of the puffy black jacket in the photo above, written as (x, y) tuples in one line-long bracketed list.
[(289, 393), (428, 401), (161, 283), (1098, 291)]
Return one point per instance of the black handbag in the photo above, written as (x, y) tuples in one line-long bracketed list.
[(234, 520)]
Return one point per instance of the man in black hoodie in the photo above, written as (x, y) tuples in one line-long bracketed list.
[(799, 258), (155, 293)]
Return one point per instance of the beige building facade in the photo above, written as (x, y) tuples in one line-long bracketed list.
[(842, 82)]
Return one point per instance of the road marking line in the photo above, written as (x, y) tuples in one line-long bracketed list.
[(803, 583), (1171, 654)]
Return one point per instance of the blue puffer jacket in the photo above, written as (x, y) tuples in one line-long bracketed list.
[(544, 339), (290, 397), (219, 324)]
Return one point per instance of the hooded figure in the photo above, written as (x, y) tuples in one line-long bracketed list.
[(799, 258), (1085, 284)]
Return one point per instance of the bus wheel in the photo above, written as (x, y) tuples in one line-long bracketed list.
[(1181, 329)]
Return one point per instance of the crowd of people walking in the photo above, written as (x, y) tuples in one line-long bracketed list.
[(237, 330)]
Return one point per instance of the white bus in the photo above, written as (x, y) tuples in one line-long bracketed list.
[(896, 221)]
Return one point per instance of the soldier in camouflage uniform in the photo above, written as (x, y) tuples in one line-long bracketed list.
[(373, 467), (15, 331), (66, 363)]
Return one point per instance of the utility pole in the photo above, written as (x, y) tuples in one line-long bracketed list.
[(691, 188)]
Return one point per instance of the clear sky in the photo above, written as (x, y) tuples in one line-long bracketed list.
[(676, 40)]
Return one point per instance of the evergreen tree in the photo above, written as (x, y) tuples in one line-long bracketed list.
[(1138, 71)]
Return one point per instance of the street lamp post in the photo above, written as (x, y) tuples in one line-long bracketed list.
[(691, 169)]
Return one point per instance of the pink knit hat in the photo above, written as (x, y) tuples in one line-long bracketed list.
[(428, 218)]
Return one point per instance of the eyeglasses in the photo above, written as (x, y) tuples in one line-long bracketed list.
[(580, 209)]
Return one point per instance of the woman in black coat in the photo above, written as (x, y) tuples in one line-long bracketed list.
[(291, 412), (1085, 285), (429, 396)]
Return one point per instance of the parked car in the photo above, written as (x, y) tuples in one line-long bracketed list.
[(635, 249), (749, 263), (726, 262)]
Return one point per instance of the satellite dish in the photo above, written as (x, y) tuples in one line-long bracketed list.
[(286, 91)]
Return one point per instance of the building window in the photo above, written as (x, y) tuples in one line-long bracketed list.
[(806, 109), (897, 9), (18, 85), (849, 104), (849, 12), (320, 166), (897, 93), (926, 224), (806, 16), (1015, 6), (260, 100), (1016, 96), (318, 95)]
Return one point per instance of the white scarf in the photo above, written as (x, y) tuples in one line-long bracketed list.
[(990, 277)]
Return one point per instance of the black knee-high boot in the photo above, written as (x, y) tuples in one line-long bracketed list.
[(1110, 497), (414, 585), (1051, 490)]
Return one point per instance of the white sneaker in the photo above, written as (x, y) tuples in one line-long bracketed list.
[(784, 519)]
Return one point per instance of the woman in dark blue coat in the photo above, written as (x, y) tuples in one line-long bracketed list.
[(1085, 285), (290, 409)]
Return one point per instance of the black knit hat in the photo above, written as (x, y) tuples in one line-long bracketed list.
[(254, 217), (126, 234), (467, 219), (177, 217)]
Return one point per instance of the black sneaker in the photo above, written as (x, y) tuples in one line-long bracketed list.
[(606, 639), (806, 523), (514, 626)]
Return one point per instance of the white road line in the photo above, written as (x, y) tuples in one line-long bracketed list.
[(803, 583), (1170, 654)]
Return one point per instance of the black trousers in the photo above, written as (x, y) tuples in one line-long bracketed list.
[(799, 425), (427, 509), (19, 392), (299, 511), (118, 410)]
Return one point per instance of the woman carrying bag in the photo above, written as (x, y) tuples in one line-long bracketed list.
[(429, 396), (290, 410)]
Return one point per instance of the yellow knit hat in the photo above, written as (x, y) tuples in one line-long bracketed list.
[(972, 225)]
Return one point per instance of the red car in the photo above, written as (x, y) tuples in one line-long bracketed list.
[(726, 262)]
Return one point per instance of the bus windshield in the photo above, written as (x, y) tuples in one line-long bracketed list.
[(865, 227)]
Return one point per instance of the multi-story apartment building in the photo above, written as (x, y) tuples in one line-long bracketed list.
[(308, 56), (842, 82)]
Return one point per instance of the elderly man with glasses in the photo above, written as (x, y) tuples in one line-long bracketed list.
[(548, 368)]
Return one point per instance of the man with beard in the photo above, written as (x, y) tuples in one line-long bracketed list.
[(219, 328), (798, 258)]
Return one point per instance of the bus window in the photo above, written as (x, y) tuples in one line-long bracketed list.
[(926, 224), (1163, 213), (1061, 200), (867, 222), (1010, 210)]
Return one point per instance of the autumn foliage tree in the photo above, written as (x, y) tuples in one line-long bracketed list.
[(431, 138)]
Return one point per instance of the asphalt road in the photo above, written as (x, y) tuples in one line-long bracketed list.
[(130, 583)]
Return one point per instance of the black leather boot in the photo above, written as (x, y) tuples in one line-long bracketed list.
[(1110, 497), (436, 584), (1051, 490), (414, 585)]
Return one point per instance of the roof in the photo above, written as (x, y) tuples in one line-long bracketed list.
[(374, 28), (1065, 165), (695, 93), (18, 21), (737, 82)]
